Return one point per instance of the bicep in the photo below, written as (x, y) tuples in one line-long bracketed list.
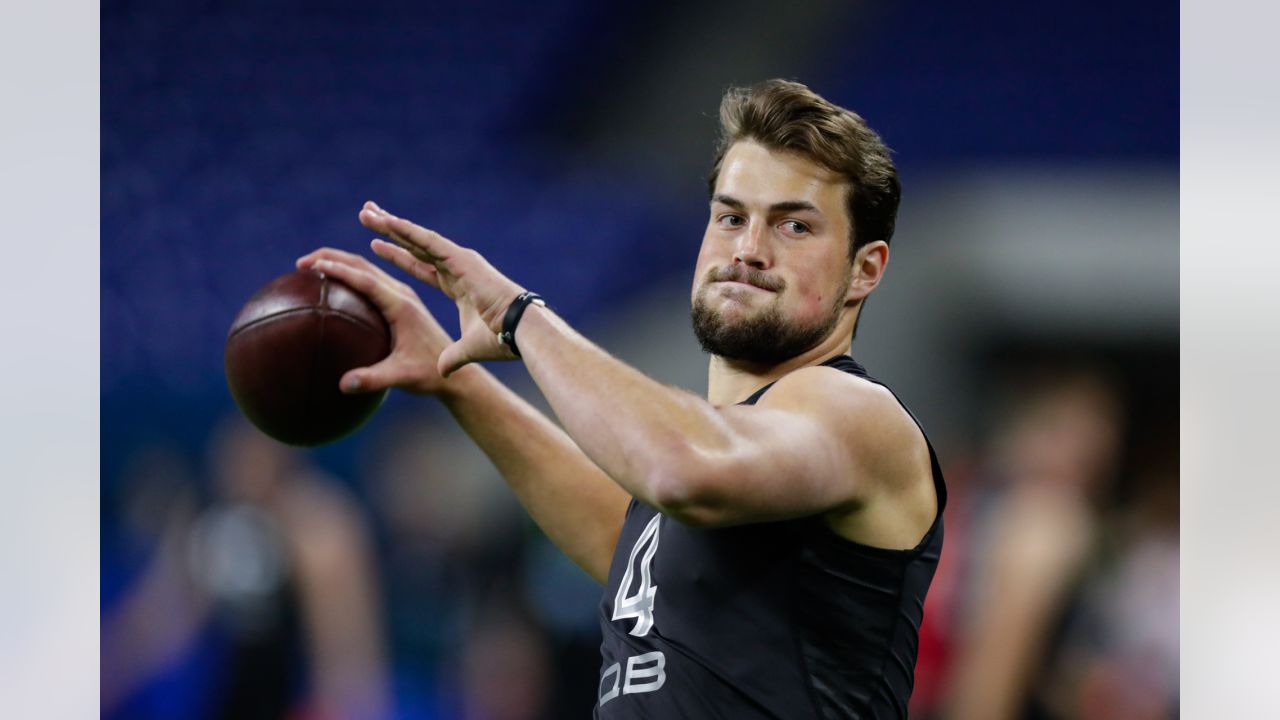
[(782, 464), (806, 448)]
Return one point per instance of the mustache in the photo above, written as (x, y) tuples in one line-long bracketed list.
[(746, 274)]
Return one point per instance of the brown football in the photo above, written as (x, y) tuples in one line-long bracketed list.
[(288, 348)]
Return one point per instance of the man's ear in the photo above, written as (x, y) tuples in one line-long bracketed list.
[(868, 268)]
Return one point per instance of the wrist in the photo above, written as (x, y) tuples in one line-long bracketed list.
[(513, 316), (535, 316), (459, 386), (494, 314)]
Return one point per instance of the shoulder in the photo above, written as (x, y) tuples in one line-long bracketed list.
[(844, 399), (885, 443)]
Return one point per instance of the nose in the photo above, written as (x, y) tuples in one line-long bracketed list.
[(751, 247)]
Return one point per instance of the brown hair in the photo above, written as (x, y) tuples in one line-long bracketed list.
[(785, 115)]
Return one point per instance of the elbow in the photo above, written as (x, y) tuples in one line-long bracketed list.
[(684, 490)]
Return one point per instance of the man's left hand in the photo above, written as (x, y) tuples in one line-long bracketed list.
[(480, 291)]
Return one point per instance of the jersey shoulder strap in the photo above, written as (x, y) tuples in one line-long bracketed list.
[(839, 362)]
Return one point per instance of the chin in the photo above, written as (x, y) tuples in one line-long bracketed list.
[(731, 311)]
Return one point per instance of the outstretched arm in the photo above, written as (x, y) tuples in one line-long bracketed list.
[(574, 502), (579, 508)]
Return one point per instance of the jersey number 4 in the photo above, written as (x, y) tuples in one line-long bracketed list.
[(639, 604)]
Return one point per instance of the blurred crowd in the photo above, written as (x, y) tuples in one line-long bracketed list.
[(254, 584), (1057, 592)]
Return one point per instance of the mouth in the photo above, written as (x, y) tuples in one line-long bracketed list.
[(736, 285)]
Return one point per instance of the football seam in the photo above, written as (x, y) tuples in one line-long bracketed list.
[(310, 308), (312, 361)]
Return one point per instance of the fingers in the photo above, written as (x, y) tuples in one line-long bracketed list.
[(327, 253), (420, 252), (365, 280), (424, 244), (452, 359), (373, 378), (405, 260), (341, 256), (474, 345)]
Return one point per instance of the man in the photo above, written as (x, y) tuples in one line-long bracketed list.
[(766, 550)]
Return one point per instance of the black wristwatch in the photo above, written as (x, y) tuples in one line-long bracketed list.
[(514, 312)]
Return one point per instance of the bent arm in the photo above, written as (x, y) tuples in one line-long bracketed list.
[(574, 502), (667, 447)]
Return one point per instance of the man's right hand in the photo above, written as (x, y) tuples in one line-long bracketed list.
[(417, 339)]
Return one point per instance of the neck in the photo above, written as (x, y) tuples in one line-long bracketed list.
[(731, 381)]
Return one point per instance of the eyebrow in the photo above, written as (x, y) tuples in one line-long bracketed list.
[(785, 206)]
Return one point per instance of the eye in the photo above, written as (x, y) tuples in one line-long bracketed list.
[(796, 227), (731, 220)]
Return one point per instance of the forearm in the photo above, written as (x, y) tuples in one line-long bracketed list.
[(575, 503), (642, 433)]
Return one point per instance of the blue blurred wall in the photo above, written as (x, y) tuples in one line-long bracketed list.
[(238, 135)]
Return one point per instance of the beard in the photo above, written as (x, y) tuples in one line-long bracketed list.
[(764, 340)]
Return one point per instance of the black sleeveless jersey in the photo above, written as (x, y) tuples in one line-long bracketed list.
[(779, 620)]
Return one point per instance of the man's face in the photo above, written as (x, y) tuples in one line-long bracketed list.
[(774, 270)]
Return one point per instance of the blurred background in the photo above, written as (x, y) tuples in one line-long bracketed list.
[(1030, 318)]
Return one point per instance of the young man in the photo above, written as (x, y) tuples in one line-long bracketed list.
[(765, 550)]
